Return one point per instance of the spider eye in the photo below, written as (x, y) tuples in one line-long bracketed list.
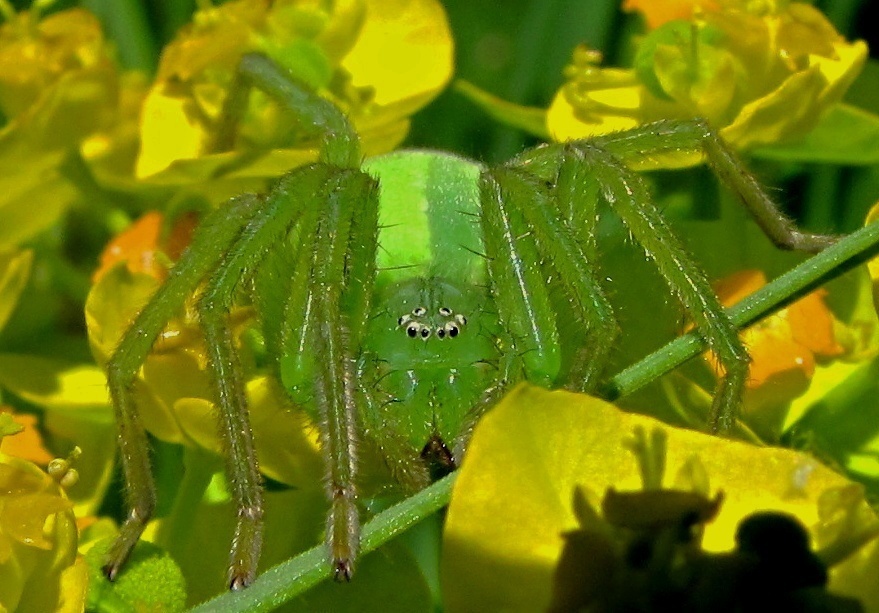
[(441, 332), (419, 311), (425, 332), (452, 329), (445, 311), (412, 330), (404, 319), (461, 319)]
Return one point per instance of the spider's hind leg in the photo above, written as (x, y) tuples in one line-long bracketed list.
[(661, 138)]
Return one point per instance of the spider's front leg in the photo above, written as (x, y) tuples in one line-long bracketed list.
[(524, 224), (320, 201), (215, 236)]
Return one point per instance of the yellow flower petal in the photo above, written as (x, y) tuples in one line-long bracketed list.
[(759, 73), (379, 62), (38, 538), (74, 587), (174, 115), (404, 52), (514, 494), (841, 69), (565, 123)]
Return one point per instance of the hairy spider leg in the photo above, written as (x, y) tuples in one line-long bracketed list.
[(663, 137), (696, 136), (347, 218), (336, 380), (526, 217), (232, 253), (629, 197), (340, 145), (525, 225), (283, 208), (313, 327), (611, 157), (533, 212), (227, 247), (215, 235), (518, 285)]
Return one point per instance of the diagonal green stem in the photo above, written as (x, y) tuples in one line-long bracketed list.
[(199, 467), (293, 577), (850, 251)]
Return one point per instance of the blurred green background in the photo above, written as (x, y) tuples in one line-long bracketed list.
[(515, 49)]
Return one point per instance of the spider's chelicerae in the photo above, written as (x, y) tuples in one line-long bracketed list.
[(415, 289)]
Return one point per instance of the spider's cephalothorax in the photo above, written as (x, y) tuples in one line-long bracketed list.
[(415, 288)]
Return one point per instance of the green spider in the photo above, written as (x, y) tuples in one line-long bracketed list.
[(399, 298)]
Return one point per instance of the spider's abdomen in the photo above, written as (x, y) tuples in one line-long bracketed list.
[(428, 218), (431, 344)]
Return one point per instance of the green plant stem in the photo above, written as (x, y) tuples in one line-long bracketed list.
[(128, 26), (291, 578), (850, 251), (199, 466)]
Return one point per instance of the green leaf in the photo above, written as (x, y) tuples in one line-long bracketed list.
[(15, 269), (151, 581), (845, 135), (529, 119), (9, 426), (56, 384)]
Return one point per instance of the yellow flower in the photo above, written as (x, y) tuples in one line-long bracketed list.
[(516, 497), (56, 77), (60, 91), (759, 74), (784, 350), (658, 13), (380, 61), (39, 566)]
